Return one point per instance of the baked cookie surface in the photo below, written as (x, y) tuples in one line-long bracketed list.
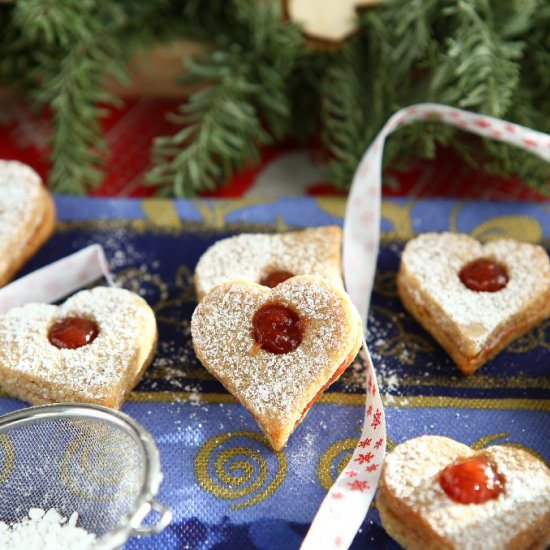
[(471, 325), (417, 512), (27, 216), (253, 257), (277, 388), (103, 371)]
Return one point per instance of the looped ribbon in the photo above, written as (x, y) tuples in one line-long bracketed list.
[(346, 504)]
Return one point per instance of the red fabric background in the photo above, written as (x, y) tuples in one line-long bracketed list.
[(130, 131)]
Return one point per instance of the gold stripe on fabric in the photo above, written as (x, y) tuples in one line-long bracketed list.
[(412, 402), (479, 381), (181, 397)]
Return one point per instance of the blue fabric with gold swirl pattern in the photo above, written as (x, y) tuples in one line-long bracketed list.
[(226, 488)]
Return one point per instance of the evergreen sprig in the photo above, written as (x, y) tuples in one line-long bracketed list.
[(486, 56), (479, 69), (221, 130), (246, 102), (259, 82)]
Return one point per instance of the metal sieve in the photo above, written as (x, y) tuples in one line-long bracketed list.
[(84, 458)]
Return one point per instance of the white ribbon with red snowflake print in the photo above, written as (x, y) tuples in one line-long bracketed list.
[(345, 506)]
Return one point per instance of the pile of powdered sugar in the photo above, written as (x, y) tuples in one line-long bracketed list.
[(43, 530)]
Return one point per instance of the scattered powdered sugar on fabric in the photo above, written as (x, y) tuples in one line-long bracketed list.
[(388, 377), (252, 256), (19, 216), (45, 530), (222, 335), (92, 370), (433, 261), (118, 246), (173, 361)]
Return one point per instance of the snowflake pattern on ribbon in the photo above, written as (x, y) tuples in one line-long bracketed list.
[(338, 519)]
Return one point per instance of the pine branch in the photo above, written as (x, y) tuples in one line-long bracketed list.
[(480, 69), (246, 103), (261, 84), (75, 94), (79, 46), (345, 116), (221, 131), (51, 23)]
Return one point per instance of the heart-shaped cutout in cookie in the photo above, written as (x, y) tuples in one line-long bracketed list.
[(270, 259), (93, 348), (277, 350), (437, 493), (474, 299), (27, 216)]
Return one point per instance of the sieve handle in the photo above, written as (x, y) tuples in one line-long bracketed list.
[(165, 517)]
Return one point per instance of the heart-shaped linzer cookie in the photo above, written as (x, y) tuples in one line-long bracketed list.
[(270, 259), (436, 493), (277, 350), (93, 348), (27, 216), (474, 299)]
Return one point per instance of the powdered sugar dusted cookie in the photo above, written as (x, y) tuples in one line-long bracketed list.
[(93, 348), (27, 216), (277, 350), (473, 298), (270, 259), (436, 493)]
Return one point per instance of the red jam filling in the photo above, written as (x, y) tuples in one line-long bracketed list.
[(472, 480), (483, 275), (277, 328), (339, 371), (276, 278), (72, 333)]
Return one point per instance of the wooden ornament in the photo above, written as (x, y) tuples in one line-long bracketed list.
[(326, 21)]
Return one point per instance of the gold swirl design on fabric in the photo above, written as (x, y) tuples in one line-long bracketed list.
[(7, 457), (185, 281), (520, 228), (94, 468), (167, 310), (240, 472), (334, 460), (161, 212), (404, 345), (335, 206), (484, 441), (401, 218), (453, 218), (214, 212), (385, 283), (532, 340)]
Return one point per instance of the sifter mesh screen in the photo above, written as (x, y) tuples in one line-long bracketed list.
[(87, 465)]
